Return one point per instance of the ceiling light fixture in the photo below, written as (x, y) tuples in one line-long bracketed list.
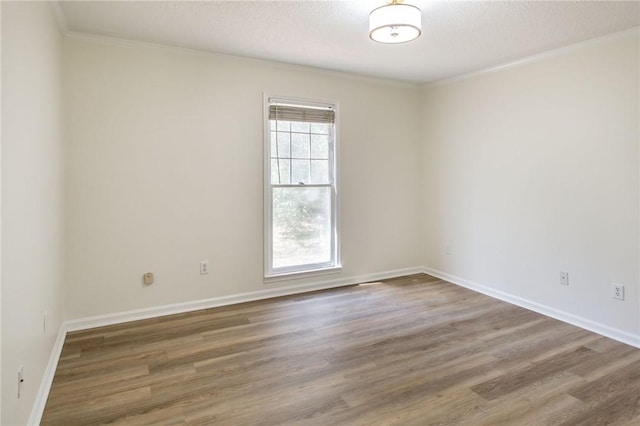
[(395, 23)]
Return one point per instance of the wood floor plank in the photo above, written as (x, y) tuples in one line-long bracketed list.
[(413, 350), (521, 377), (616, 382), (614, 409)]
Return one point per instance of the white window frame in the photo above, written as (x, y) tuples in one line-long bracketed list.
[(292, 272)]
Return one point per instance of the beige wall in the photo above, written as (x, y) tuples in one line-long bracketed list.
[(165, 168), (32, 200), (533, 170), (524, 172)]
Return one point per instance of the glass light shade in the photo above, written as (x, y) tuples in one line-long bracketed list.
[(395, 23)]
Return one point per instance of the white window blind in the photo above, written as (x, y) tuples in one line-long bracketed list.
[(302, 114)]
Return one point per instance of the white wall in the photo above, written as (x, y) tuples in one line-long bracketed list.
[(165, 168), (533, 170), (0, 220), (32, 199)]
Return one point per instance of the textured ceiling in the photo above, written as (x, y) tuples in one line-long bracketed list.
[(458, 37)]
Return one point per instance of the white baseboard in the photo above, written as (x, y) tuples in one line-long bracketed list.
[(587, 324), (45, 385), (177, 308)]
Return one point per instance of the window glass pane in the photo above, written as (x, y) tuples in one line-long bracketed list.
[(319, 171), (274, 171), (299, 145), (319, 146), (280, 171), (284, 145), (272, 125), (297, 126), (283, 125), (273, 144), (301, 226), (321, 128), (300, 171)]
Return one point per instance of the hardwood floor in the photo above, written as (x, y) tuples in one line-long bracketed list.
[(413, 350)]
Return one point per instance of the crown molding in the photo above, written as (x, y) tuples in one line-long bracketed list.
[(630, 32), (56, 9), (122, 42)]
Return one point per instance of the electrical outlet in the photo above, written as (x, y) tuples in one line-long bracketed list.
[(617, 291), (448, 250), (20, 380), (564, 278), (147, 278), (204, 267), (44, 323)]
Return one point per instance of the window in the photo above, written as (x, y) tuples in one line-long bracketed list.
[(300, 187)]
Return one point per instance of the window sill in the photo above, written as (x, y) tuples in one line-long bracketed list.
[(288, 276)]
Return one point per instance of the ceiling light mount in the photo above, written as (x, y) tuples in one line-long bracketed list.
[(395, 23)]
